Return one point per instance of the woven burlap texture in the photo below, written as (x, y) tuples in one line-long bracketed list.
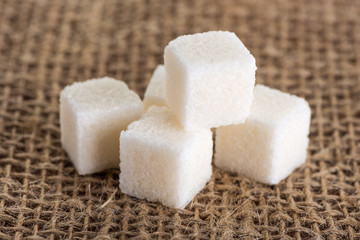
[(308, 48)]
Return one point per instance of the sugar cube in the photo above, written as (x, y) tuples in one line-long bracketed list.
[(155, 93), (162, 162), (273, 140), (210, 79), (92, 114)]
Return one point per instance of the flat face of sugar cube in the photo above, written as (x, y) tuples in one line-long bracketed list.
[(210, 79), (92, 115), (161, 162), (155, 93), (273, 140)]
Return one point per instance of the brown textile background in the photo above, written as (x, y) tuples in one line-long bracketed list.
[(308, 48)]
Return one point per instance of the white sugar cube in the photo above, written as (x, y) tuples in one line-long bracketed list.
[(210, 79), (271, 143), (162, 162), (92, 114), (155, 93)]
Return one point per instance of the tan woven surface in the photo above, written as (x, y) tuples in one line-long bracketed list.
[(309, 48)]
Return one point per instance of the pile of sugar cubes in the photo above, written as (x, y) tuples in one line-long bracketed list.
[(166, 148)]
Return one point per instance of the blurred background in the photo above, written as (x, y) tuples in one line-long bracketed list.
[(307, 48)]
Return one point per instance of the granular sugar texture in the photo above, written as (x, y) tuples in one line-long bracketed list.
[(306, 48)]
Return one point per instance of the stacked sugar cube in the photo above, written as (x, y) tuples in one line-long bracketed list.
[(207, 81)]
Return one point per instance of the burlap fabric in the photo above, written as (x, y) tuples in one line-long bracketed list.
[(308, 48)]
